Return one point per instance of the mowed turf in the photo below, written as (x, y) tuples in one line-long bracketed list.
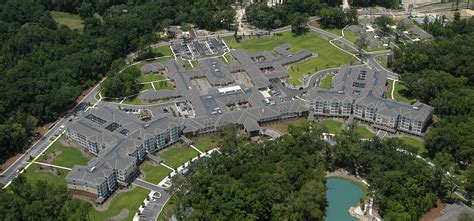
[(68, 157), (326, 81), (160, 85), (164, 51), (206, 143), (331, 126), (150, 77), (155, 173), (399, 87), (33, 176), (328, 56), (419, 144), (362, 131), (130, 200), (350, 36), (72, 21), (177, 155)]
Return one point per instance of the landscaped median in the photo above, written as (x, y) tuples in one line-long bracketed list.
[(326, 55), (326, 81)]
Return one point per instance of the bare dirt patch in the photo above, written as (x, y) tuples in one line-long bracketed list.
[(48, 169), (434, 212), (315, 24)]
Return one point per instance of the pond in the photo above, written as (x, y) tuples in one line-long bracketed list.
[(341, 195)]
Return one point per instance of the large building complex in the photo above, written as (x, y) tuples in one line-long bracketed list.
[(246, 92), (360, 93), (204, 98)]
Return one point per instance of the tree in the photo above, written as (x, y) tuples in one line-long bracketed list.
[(383, 23), (470, 181), (86, 10), (362, 43), (298, 24)]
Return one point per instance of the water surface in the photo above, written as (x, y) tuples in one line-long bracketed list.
[(341, 195)]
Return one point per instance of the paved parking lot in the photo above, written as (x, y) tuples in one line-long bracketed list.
[(199, 48)]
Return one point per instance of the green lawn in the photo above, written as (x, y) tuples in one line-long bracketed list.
[(328, 56), (362, 131), (282, 126), (146, 86), (399, 86), (72, 21), (130, 200), (33, 176), (382, 60), (332, 126), (154, 174), (162, 85), (326, 81), (229, 57), (150, 77), (419, 144), (164, 50), (186, 65), (69, 156), (134, 101), (177, 155), (206, 143), (350, 36), (381, 48)]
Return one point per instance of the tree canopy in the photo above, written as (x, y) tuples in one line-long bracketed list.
[(284, 178), (44, 68), (441, 73), (40, 201)]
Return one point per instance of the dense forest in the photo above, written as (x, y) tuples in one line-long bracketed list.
[(284, 179), (369, 3), (265, 17), (251, 181), (441, 73), (40, 201), (44, 68)]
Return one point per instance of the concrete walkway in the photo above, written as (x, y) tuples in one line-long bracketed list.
[(162, 164), (52, 165), (195, 148)]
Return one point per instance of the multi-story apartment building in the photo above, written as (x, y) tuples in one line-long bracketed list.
[(120, 144), (360, 92)]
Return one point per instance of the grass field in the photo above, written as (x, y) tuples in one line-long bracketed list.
[(72, 21), (33, 176), (419, 144), (154, 174), (362, 131), (326, 81), (332, 126), (130, 200), (206, 143), (381, 48), (399, 87), (146, 86), (69, 156), (134, 101), (150, 77), (163, 50), (162, 85), (177, 155), (328, 56), (350, 36), (282, 126)]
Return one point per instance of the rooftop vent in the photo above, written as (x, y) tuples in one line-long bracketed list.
[(92, 169), (415, 108)]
